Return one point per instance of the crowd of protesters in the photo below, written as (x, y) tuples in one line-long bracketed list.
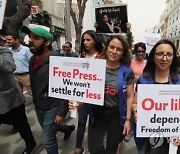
[(112, 121)]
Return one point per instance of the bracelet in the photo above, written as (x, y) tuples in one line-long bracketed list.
[(128, 119)]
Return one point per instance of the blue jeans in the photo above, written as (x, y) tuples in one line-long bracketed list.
[(49, 129), (82, 119)]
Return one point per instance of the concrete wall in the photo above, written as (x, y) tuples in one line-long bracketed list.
[(173, 26)]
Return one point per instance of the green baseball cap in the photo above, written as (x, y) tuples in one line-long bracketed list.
[(40, 31)]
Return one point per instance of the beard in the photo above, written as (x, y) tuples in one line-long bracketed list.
[(37, 50)]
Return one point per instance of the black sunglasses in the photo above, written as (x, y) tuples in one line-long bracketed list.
[(140, 51)]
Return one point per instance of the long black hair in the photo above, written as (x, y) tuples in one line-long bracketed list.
[(149, 69), (98, 43)]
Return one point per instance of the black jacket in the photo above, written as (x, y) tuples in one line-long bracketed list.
[(39, 84)]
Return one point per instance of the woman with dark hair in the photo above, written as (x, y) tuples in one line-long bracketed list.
[(138, 64), (91, 47), (113, 118), (161, 68)]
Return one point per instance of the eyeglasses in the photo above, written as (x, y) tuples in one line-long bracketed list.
[(140, 51), (111, 47), (161, 55)]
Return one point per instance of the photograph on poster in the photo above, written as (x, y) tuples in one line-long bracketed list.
[(111, 19)]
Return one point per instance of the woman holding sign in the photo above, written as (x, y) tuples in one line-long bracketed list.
[(113, 119), (161, 68), (91, 47)]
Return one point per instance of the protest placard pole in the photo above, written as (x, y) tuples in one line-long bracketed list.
[(2, 10), (73, 113), (172, 148)]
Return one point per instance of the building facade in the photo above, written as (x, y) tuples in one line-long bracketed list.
[(58, 26), (170, 22)]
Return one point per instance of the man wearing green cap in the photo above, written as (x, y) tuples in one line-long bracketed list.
[(50, 111)]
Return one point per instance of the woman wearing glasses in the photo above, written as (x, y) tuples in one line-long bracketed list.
[(161, 68), (113, 119)]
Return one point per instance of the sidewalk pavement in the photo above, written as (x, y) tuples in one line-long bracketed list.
[(14, 144)]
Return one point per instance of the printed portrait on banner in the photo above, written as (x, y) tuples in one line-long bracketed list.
[(111, 19)]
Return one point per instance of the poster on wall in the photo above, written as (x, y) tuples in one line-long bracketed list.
[(111, 18)]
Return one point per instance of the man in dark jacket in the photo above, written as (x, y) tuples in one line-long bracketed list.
[(50, 111), (12, 109)]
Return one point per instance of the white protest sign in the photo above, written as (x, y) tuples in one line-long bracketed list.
[(77, 79), (150, 39), (2, 10), (158, 110)]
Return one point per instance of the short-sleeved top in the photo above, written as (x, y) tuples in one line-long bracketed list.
[(137, 67), (111, 86)]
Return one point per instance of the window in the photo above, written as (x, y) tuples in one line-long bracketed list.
[(177, 45), (173, 17), (177, 14), (170, 21)]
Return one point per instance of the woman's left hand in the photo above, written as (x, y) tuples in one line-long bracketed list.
[(128, 26), (176, 141), (127, 127)]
